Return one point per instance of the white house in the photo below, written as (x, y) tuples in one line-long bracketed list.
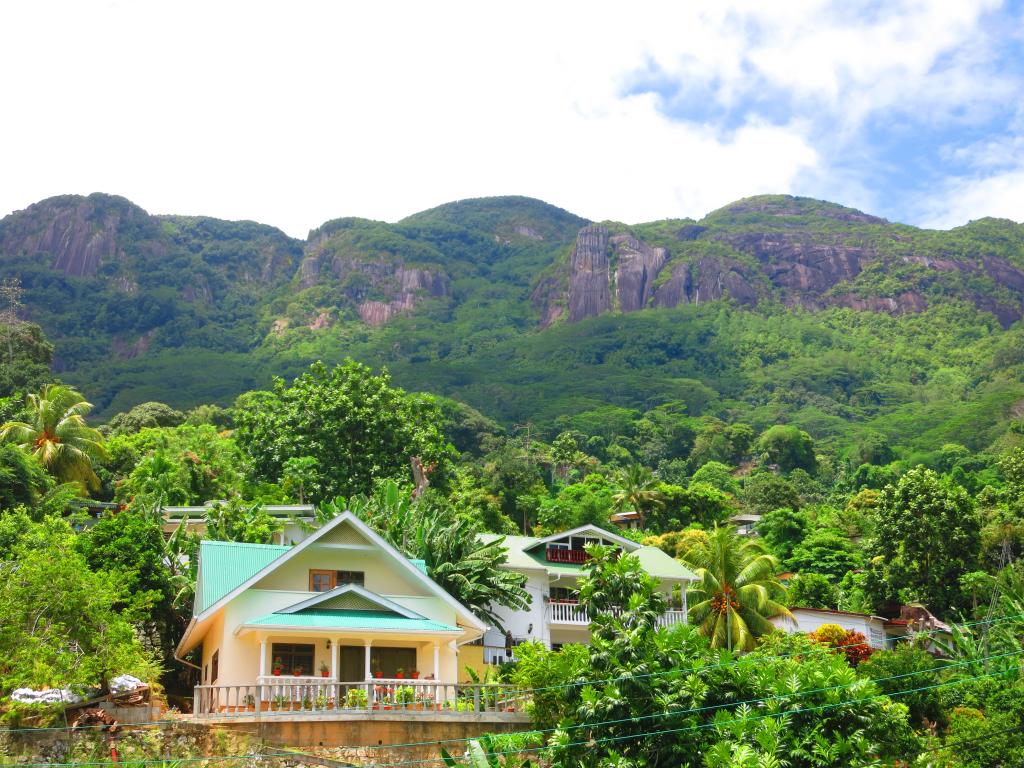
[(553, 566), (809, 619), (342, 605)]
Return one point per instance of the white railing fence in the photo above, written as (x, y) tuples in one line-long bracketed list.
[(384, 695)]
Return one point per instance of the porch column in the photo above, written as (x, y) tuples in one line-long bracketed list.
[(369, 674), (263, 657), (437, 659), (335, 653)]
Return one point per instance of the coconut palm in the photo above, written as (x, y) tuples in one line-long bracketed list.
[(56, 434), (638, 492), (737, 591)]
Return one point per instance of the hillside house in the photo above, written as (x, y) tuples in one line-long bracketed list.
[(341, 616), (553, 566), (881, 632)]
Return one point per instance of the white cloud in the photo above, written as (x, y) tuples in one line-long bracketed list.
[(964, 199), (295, 113)]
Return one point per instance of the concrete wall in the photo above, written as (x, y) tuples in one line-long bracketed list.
[(809, 621)]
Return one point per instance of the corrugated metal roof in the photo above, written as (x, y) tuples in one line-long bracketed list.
[(421, 564), (652, 560), (327, 619), (229, 564)]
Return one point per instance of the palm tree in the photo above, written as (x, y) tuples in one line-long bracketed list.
[(737, 591), (57, 435), (638, 492)]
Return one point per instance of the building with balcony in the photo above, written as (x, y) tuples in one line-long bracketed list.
[(553, 567)]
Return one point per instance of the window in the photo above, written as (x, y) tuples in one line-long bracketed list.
[(350, 577), (321, 581), (292, 656), (565, 594), (389, 660), (215, 666)]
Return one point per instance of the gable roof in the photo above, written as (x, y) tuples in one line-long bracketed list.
[(587, 530), (521, 557), (348, 517), (223, 565), (365, 600)]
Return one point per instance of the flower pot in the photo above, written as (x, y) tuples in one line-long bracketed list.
[(324, 673), (400, 675), (277, 671), (415, 675)]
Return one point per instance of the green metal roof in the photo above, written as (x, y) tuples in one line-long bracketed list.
[(229, 564), (328, 619), (420, 564), (654, 561)]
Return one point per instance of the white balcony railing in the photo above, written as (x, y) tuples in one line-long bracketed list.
[(565, 612)]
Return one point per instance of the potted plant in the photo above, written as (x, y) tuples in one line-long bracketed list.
[(378, 674), (400, 674), (250, 702), (297, 671), (415, 674), (356, 698), (405, 695), (278, 665), (324, 670), (279, 702)]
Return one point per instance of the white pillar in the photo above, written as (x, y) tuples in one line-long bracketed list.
[(335, 653), (437, 659), (369, 674), (263, 657)]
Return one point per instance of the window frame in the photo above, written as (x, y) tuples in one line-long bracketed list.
[(331, 575)]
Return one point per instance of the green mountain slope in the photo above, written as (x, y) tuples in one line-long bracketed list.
[(770, 309)]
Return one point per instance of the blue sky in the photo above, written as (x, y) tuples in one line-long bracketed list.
[(292, 114)]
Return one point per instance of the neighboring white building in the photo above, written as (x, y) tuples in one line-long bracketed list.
[(298, 521), (810, 619), (553, 567)]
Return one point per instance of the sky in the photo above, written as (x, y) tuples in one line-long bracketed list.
[(293, 113)]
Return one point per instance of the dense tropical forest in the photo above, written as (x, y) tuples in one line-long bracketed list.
[(880, 443)]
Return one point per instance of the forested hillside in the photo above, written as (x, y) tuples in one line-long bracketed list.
[(773, 309)]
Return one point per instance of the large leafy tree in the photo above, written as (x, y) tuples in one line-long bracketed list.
[(64, 625), (827, 551), (356, 425), (927, 536), (25, 357), (737, 591), (782, 530), (56, 433)]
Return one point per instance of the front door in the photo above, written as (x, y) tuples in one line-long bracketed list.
[(353, 664)]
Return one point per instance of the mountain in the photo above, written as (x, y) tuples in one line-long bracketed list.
[(528, 311)]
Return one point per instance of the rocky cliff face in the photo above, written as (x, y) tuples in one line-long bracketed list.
[(76, 235), (380, 286), (802, 252)]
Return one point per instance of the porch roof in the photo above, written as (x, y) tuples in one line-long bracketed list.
[(349, 619)]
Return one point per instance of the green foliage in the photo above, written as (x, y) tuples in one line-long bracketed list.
[(767, 491), (62, 626), (356, 425), (927, 536), (782, 530), (25, 358), (787, 447), (811, 590), (717, 474), (554, 672), (828, 551), (894, 669), (145, 415), (587, 502), (237, 520)]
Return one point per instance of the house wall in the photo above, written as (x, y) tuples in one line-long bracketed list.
[(382, 574), (518, 622), (809, 621)]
